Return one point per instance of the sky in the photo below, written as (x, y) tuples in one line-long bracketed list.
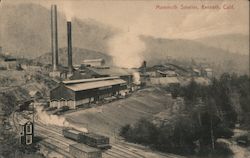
[(155, 18)]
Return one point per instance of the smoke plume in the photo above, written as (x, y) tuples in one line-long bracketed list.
[(47, 119), (67, 8), (126, 50), (136, 78)]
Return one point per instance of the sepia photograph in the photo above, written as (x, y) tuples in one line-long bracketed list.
[(124, 79)]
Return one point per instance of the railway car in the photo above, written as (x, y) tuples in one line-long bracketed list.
[(90, 139), (72, 134), (95, 140)]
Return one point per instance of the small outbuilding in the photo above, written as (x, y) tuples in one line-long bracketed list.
[(208, 72), (93, 62), (26, 132)]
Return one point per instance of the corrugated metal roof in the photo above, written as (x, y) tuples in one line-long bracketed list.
[(92, 60), (202, 80), (196, 70), (169, 72), (96, 84), (23, 121), (95, 136), (89, 80), (208, 69), (112, 71), (74, 131)]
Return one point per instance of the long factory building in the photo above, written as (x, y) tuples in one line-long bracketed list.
[(74, 93)]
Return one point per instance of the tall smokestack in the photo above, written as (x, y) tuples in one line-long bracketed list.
[(54, 40), (70, 66)]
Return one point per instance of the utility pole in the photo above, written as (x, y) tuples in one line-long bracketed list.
[(33, 117)]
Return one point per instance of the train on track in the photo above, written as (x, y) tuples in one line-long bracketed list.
[(90, 139)]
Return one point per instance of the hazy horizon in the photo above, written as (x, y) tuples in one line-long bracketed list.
[(145, 17)]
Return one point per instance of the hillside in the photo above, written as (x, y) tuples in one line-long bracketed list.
[(79, 54), (160, 49), (25, 31), (143, 104), (236, 43)]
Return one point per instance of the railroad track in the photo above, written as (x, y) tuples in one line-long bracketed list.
[(52, 147), (128, 150), (54, 140), (44, 134), (133, 149), (62, 143), (53, 135), (49, 131), (125, 153), (122, 151), (54, 129), (109, 155), (118, 154), (118, 150)]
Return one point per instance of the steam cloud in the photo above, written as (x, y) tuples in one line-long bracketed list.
[(136, 78), (47, 119), (126, 50), (67, 9)]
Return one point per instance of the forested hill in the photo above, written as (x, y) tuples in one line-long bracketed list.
[(25, 32)]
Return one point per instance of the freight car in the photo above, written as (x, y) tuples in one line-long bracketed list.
[(72, 134), (90, 139), (83, 151), (95, 140)]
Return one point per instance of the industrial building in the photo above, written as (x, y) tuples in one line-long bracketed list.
[(123, 73), (93, 62), (208, 72), (167, 73), (89, 68), (8, 63), (166, 70), (165, 81), (74, 93), (196, 72)]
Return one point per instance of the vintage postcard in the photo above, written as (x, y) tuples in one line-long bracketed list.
[(124, 79)]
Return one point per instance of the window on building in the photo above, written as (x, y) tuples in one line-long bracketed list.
[(29, 129), (28, 139), (22, 131)]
